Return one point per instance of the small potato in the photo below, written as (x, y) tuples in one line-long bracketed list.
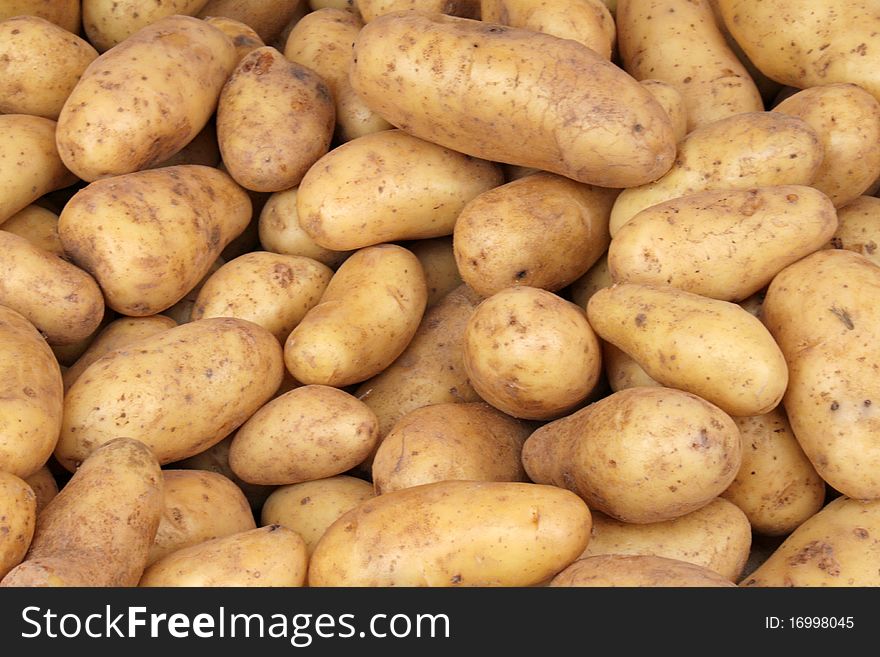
[(388, 186), (454, 533), (438, 262), (243, 37), (109, 22), (717, 536), (602, 452), (776, 487), (43, 483), (30, 396), (179, 391), (272, 290), (714, 349), (199, 506), (858, 228), (37, 225), (637, 571), (595, 279), (366, 318), (99, 528), (542, 231), (672, 102), (268, 556), (531, 354), (309, 433), (18, 516), (275, 118), (64, 13), (622, 371), (371, 9), (267, 17), (311, 507), (473, 442)]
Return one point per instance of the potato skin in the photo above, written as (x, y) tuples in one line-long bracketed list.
[(266, 17), (243, 37), (542, 231), (672, 102), (166, 78), (37, 225), (438, 262), (19, 517), (637, 571), (43, 483), (437, 90), (622, 371), (596, 278), (372, 9), (64, 13), (212, 375), (81, 538), (420, 537), (109, 22), (858, 228)]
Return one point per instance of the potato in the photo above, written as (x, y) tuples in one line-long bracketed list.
[(755, 149), (99, 528), (243, 37), (109, 22), (309, 433), (62, 301), (45, 488), (268, 556), (29, 162), (30, 396), (311, 507), (18, 516), (203, 149), (847, 120), (717, 536), (473, 442), (714, 349), (199, 506), (280, 232), (37, 225), (181, 312), (145, 266), (179, 391), (585, 118), (542, 231), (823, 312), (622, 371), (349, 5), (595, 279), (530, 353), (275, 118), (272, 290), (40, 63), (602, 452), (68, 354), (776, 487), (454, 533), (438, 262), (371, 9), (722, 244), (637, 571), (586, 21), (266, 17), (836, 547), (672, 102), (366, 318), (388, 186), (64, 13), (858, 228), (141, 102)]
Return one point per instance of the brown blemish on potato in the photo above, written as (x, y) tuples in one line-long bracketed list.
[(843, 316), (861, 532), (820, 552), (641, 319)]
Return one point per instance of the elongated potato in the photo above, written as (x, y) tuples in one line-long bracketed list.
[(858, 228), (722, 244), (711, 348), (372, 9), (45, 488), (64, 13), (18, 517), (542, 231), (268, 556), (420, 537), (179, 391), (586, 119), (109, 22), (37, 225), (266, 17), (99, 528), (243, 37), (140, 103), (366, 318), (438, 262), (149, 237), (637, 571), (755, 149), (388, 186), (30, 396), (672, 102)]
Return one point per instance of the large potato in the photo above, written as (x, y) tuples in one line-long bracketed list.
[(388, 186), (858, 228), (371, 9), (98, 530), (640, 455), (454, 533), (714, 349), (366, 318), (108, 22), (637, 571), (149, 237), (64, 13), (266, 17), (18, 516), (141, 102), (438, 262), (478, 88), (179, 391), (37, 225)]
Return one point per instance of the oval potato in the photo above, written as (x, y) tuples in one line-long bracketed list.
[(109, 22), (37, 225), (858, 227), (64, 13), (243, 37), (43, 483), (17, 520), (372, 9), (637, 571), (267, 17)]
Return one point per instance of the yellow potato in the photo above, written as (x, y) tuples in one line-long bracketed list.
[(109, 22), (64, 13), (266, 17), (143, 101), (454, 533), (99, 528), (672, 102), (714, 349), (366, 318), (181, 312), (43, 483), (438, 262), (622, 371), (18, 516), (637, 571), (388, 186), (595, 279), (39, 226), (349, 5), (68, 354), (179, 391), (371, 9), (530, 353), (243, 37), (203, 149), (603, 453), (858, 228), (268, 556), (585, 118), (145, 266)]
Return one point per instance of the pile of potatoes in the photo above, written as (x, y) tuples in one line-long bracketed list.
[(423, 293)]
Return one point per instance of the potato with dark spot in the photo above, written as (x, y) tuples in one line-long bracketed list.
[(109, 22), (371, 9), (43, 483), (18, 516), (64, 13), (98, 530), (267, 17), (454, 533), (243, 37), (858, 228), (637, 571), (37, 225)]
